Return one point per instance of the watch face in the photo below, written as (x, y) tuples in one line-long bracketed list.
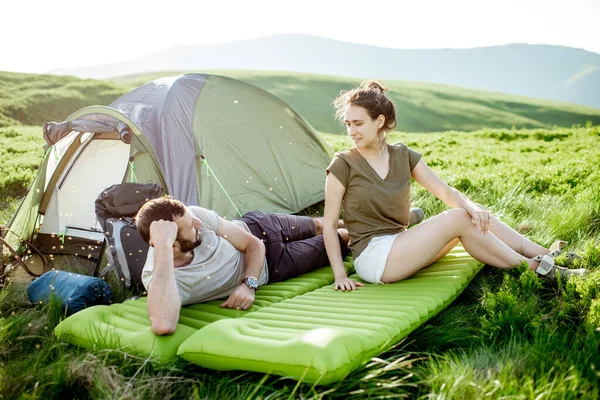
[(252, 282)]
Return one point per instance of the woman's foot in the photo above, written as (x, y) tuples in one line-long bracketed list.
[(549, 269), (556, 252)]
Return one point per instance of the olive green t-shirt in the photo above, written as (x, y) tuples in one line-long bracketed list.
[(374, 206)]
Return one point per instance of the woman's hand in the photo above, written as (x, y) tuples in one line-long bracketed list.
[(481, 218), (344, 283)]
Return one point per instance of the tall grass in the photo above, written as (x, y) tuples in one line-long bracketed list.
[(21, 150), (509, 335)]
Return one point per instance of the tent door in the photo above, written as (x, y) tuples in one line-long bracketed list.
[(100, 164)]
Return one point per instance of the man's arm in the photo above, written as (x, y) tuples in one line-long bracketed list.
[(254, 259), (163, 298)]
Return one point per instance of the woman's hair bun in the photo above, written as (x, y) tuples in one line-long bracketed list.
[(371, 96), (373, 85)]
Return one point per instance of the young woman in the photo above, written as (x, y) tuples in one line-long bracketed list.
[(372, 180)]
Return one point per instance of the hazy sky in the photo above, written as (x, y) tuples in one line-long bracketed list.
[(36, 36)]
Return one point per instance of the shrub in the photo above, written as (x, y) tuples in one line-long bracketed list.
[(513, 309), (593, 316)]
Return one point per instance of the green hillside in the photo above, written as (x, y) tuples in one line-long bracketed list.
[(34, 99), (421, 107)]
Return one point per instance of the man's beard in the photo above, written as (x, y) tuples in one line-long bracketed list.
[(187, 245)]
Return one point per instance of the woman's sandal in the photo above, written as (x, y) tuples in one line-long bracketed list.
[(550, 270), (556, 250)]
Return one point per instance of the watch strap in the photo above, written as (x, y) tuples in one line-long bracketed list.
[(250, 284)]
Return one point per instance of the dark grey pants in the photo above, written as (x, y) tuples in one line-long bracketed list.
[(292, 248)]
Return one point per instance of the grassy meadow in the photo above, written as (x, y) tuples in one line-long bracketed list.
[(31, 99), (509, 335)]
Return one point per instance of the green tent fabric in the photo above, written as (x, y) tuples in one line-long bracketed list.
[(300, 328), (323, 335), (24, 220), (205, 139)]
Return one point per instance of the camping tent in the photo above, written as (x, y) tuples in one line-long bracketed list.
[(207, 140)]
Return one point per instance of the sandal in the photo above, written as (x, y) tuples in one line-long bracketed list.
[(571, 257), (550, 270), (556, 250), (558, 245)]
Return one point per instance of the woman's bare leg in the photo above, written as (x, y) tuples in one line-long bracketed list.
[(446, 249), (515, 240), (419, 246)]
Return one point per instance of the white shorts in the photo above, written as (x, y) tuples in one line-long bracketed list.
[(371, 262)]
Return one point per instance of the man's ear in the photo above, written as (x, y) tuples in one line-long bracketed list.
[(176, 245)]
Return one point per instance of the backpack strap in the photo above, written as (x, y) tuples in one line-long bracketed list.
[(118, 224)]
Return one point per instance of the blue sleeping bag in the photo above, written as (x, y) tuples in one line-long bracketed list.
[(75, 291)]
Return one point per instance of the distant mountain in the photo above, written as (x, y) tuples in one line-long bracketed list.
[(542, 71)]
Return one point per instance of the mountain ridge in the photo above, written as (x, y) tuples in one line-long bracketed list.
[(541, 71)]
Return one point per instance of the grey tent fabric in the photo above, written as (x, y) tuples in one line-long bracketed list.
[(54, 131), (180, 148), (204, 139), (124, 132), (261, 153), (164, 111)]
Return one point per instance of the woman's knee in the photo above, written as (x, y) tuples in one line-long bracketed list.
[(458, 215), (459, 219)]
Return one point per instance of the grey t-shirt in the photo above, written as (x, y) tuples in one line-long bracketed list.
[(217, 268)]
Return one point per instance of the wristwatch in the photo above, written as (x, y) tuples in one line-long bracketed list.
[(251, 282)]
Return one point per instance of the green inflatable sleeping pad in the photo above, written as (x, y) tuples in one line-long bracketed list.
[(323, 335), (126, 325)]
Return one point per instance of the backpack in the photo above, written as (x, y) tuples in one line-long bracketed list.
[(126, 251)]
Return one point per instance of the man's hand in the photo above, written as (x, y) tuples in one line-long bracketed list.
[(241, 299), (163, 233)]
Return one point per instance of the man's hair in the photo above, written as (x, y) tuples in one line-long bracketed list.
[(165, 208)]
